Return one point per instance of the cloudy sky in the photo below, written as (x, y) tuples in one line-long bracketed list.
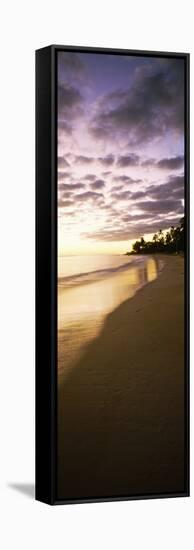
[(120, 149)]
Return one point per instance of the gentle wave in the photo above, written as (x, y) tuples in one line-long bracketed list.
[(88, 276)]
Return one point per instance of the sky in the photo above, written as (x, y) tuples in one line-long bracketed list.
[(120, 150)]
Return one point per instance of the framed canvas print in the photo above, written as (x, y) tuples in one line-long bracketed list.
[(112, 274)]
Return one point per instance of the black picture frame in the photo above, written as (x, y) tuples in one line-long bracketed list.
[(46, 273)]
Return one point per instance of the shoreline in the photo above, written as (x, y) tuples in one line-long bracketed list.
[(83, 309), (105, 274), (124, 399)]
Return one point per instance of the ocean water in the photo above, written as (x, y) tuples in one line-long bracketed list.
[(70, 267), (89, 288)]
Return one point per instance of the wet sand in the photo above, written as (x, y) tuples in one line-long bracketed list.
[(85, 302), (121, 408)]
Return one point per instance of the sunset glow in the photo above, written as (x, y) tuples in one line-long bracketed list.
[(120, 150)]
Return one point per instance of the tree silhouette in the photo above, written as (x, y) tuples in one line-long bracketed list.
[(172, 242)]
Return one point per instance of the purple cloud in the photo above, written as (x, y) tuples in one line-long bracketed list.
[(90, 177), (82, 159), (71, 186), (107, 161), (89, 195), (98, 184), (153, 105), (68, 100), (128, 160), (126, 179), (62, 162)]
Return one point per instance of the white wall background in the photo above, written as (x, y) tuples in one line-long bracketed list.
[(25, 26)]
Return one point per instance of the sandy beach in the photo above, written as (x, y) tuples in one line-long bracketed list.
[(121, 408)]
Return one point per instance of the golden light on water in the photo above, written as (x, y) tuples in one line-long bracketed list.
[(151, 270), (96, 299), (83, 308)]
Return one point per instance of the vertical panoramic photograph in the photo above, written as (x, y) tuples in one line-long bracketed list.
[(121, 246)]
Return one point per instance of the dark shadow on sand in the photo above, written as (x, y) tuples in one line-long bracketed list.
[(121, 409)]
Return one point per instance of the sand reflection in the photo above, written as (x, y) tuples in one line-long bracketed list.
[(82, 309)]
